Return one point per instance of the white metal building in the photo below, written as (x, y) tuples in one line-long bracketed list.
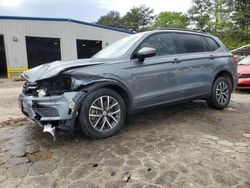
[(26, 42)]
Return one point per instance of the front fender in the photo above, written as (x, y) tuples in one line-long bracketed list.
[(93, 85)]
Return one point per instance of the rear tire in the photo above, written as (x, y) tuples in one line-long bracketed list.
[(102, 113), (221, 94)]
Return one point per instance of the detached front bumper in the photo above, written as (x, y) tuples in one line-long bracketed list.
[(52, 108)]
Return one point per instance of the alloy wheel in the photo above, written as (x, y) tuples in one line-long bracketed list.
[(104, 113), (222, 93)]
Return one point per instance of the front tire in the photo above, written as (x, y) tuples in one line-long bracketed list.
[(102, 114), (221, 94)]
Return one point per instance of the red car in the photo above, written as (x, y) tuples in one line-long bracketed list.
[(244, 74)]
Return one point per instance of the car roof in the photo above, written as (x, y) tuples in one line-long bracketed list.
[(176, 30)]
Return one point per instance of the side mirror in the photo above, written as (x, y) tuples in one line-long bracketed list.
[(145, 52)]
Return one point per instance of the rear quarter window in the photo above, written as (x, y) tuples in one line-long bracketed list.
[(191, 43), (213, 44)]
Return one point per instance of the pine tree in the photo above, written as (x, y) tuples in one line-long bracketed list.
[(200, 15), (112, 19), (138, 18)]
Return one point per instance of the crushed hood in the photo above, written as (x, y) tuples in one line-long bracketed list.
[(53, 69)]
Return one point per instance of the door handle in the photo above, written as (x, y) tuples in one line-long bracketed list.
[(176, 60), (211, 57)]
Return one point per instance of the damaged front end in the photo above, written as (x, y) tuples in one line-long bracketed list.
[(52, 103)]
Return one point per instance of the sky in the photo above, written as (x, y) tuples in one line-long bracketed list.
[(84, 10)]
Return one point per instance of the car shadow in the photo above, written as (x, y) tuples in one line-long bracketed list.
[(146, 120), (243, 91), (195, 116)]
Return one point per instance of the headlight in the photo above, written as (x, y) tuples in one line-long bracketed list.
[(41, 92), (54, 86)]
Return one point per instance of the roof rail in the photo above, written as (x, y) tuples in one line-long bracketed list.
[(180, 29)]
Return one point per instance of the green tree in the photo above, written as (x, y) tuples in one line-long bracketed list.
[(241, 15), (232, 20), (138, 18), (241, 18), (171, 19), (221, 10), (200, 15), (221, 23), (222, 18), (112, 19)]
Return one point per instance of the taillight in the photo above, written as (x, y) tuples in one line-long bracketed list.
[(235, 61)]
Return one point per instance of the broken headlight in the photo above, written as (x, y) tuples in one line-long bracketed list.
[(54, 86), (41, 92)]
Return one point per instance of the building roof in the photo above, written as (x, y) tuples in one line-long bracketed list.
[(64, 20), (244, 50)]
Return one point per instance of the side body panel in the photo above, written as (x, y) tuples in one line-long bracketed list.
[(119, 71), (155, 81), (195, 74), (223, 60), (197, 70)]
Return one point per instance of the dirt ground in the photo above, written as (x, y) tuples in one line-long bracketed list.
[(186, 145), (9, 91)]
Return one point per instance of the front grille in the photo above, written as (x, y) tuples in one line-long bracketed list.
[(30, 88), (46, 112), (244, 76)]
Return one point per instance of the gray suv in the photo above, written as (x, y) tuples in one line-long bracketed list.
[(137, 72)]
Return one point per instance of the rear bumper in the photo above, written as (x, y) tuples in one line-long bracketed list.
[(53, 108), (243, 83)]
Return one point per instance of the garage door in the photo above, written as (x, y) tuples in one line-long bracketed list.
[(88, 48), (41, 50), (3, 65)]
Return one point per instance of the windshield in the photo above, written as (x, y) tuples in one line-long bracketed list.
[(118, 48), (245, 61)]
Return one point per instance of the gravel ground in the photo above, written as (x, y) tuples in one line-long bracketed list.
[(186, 145)]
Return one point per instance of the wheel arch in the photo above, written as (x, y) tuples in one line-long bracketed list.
[(227, 75), (118, 87), (122, 92)]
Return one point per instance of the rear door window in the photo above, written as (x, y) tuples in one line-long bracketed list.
[(213, 44), (163, 43), (191, 43)]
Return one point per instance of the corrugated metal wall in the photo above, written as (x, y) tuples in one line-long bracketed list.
[(68, 32)]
